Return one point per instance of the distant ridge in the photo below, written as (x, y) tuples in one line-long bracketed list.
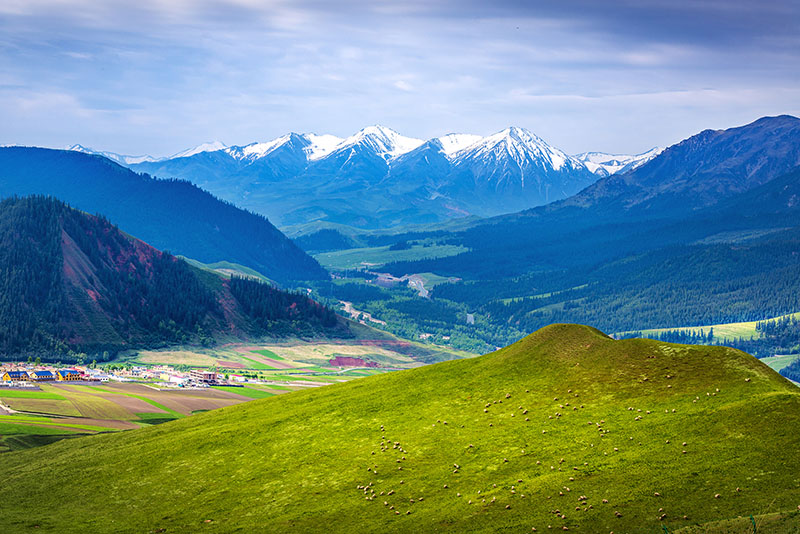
[(168, 214)]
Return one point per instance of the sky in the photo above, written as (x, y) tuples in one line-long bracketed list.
[(158, 76)]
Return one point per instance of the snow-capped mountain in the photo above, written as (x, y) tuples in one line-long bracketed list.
[(378, 177), (518, 145), (122, 159), (603, 164), (512, 170), (212, 146), (379, 140)]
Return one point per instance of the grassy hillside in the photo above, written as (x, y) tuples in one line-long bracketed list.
[(567, 428)]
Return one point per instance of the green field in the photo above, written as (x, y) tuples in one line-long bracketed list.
[(779, 362), (7, 393), (249, 392), (723, 332), (268, 353), (358, 258), (623, 436)]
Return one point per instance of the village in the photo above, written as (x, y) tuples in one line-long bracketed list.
[(28, 375)]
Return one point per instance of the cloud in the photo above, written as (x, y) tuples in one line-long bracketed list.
[(160, 75), (403, 86)]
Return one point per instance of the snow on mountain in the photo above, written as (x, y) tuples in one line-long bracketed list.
[(212, 146), (321, 145), (256, 150), (521, 146), (604, 164), (452, 143), (122, 159), (383, 141)]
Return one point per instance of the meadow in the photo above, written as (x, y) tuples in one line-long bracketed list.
[(567, 428), (375, 257), (722, 332)]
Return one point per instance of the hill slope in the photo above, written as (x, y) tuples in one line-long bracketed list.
[(168, 214), (565, 428), (72, 281)]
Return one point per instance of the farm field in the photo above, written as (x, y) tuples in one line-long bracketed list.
[(33, 417), (305, 359)]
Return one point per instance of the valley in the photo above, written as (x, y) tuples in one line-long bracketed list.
[(404, 267)]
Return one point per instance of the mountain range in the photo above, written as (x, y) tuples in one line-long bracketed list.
[(704, 233), (378, 178), (170, 215)]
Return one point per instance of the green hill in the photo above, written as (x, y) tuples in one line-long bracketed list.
[(566, 428)]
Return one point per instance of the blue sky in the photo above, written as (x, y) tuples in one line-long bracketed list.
[(158, 76)]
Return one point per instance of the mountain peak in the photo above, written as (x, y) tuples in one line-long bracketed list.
[(209, 146), (522, 146), (384, 141)]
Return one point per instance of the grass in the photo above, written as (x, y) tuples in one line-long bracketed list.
[(20, 436), (154, 418), (51, 422), (48, 406), (566, 417), (358, 258), (779, 362), (268, 354), (29, 394), (246, 392), (723, 332), (258, 366)]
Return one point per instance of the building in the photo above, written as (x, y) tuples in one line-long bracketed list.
[(68, 375), (203, 376), (15, 376), (42, 376)]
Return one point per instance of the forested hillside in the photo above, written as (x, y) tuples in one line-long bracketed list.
[(715, 241), (73, 283), (171, 215)]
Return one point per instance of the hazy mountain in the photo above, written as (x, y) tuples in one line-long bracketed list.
[(603, 164), (379, 178), (73, 281), (168, 214)]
